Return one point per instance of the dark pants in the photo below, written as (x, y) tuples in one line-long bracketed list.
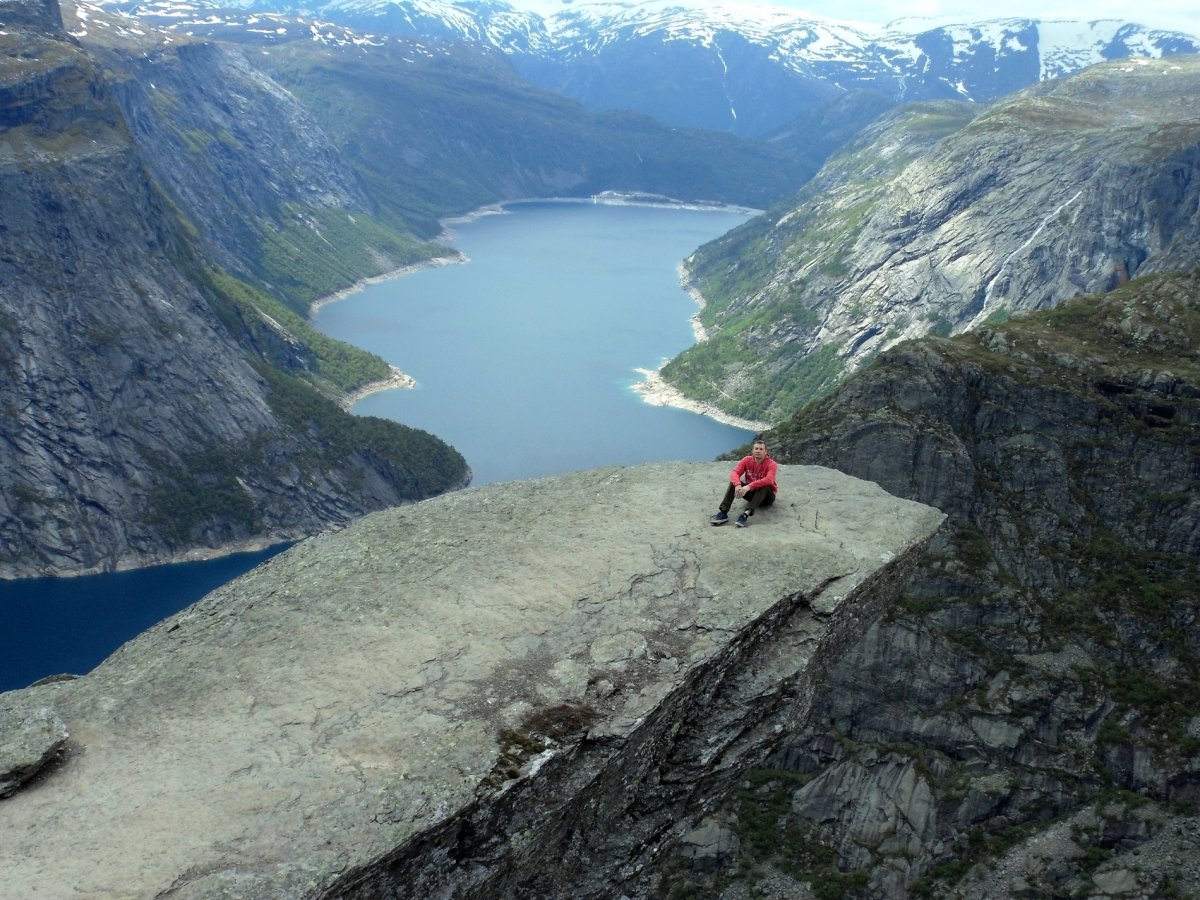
[(760, 498)]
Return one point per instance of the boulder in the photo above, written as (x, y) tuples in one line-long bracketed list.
[(30, 737)]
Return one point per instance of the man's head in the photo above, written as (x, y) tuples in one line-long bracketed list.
[(759, 450)]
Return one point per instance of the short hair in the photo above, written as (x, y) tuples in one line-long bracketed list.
[(758, 440)]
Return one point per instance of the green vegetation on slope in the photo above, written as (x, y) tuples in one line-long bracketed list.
[(201, 496), (769, 283), (280, 337), (324, 249), (716, 372), (335, 366), (204, 497), (428, 465)]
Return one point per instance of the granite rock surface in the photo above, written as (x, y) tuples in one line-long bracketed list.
[(518, 689), (30, 736)]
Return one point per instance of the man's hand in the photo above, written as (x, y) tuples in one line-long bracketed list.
[(739, 491)]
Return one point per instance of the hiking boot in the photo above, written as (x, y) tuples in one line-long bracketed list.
[(720, 518), (743, 520)]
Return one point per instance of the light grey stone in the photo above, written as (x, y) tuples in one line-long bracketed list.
[(710, 843), (30, 736), (996, 733), (396, 707), (1116, 883)]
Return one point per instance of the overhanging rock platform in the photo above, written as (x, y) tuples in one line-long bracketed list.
[(515, 690)]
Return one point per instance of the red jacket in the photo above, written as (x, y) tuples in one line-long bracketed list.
[(755, 474)]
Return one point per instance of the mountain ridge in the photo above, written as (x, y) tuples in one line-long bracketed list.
[(744, 70), (941, 217), (154, 407)]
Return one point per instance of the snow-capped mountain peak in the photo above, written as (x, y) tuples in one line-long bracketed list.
[(742, 67)]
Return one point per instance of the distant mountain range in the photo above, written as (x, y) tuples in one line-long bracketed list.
[(746, 70)]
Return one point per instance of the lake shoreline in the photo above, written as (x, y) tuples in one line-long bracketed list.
[(396, 378), (434, 262), (653, 389)]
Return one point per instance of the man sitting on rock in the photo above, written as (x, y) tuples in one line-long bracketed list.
[(752, 480)]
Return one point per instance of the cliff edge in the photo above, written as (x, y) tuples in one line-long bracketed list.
[(515, 689)]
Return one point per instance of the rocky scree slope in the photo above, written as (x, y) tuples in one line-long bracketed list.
[(496, 693), (941, 217), (151, 407), (1025, 722)]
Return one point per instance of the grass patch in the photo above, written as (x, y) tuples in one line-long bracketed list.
[(286, 339), (537, 732), (322, 250)]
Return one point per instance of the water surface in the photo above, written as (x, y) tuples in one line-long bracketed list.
[(526, 356), (55, 626)]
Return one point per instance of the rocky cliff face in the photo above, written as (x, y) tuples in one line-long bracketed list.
[(509, 691), (142, 410), (229, 146), (255, 176), (944, 217), (1025, 722)]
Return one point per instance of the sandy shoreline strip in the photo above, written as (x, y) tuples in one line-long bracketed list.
[(653, 389), (685, 282), (397, 379)]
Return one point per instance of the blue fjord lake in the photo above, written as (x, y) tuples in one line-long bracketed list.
[(525, 359)]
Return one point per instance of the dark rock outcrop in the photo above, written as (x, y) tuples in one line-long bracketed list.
[(515, 690), (1028, 713), (31, 15), (30, 737)]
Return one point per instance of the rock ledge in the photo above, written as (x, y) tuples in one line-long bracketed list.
[(513, 689)]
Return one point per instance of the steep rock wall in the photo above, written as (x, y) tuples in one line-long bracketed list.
[(941, 218), (1026, 716), (139, 419)]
